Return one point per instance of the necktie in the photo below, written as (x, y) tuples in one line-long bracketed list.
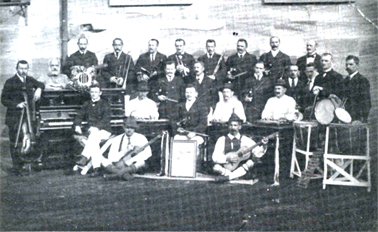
[(311, 56), (240, 56), (152, 57), (292, 83), (129, 146), (116, 55)]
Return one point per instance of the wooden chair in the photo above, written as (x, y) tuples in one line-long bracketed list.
[(352, 168)]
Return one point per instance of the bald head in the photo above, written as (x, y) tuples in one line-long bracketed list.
[(311, 46)]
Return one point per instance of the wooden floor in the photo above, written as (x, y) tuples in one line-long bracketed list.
[(49, 200)]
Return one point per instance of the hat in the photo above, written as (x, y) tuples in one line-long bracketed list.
[(143, 86), (130, 122), (227, 85), (281, 82), (234, 118)]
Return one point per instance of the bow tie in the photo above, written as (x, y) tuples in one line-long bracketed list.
[(311, 56)]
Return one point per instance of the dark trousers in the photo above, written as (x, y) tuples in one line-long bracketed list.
[(16, 159)]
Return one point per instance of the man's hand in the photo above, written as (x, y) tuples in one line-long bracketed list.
[(78, 130), (37, 94), (233, 157), (162, 97), (119, 81), (113, 79), (191, 135), (265, 140), (21, 105), (180, 68), (357, 123), (92, 129), (317, 89), (212, 77), (229, 75), (248, 99)]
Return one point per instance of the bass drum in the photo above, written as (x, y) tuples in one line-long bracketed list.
[(343, 115), (324, 111)]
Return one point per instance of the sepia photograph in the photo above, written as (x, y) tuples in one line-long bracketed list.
[(188, 115)]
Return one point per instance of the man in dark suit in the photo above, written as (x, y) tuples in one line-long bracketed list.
[(307, 100), (295, 84), (12, 97), (310, 57), (275, 61), (150, 64), (211, 61), (206, 87), (120, 66), (184, 62), (357, 90), (240, 62), (82, 57), (168, 90), (328, 83), (257, 90)]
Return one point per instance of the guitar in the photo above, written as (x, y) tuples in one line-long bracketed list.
[(244, 153), (135, 151)]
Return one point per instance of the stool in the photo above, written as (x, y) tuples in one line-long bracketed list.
[(339, 174), (303, 141)]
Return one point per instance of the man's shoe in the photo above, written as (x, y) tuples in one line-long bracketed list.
[(127, 176), (82, 161), (96, 172), (111, 177), (221, 179)]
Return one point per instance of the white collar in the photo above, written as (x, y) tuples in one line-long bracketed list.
[(21, 78), (83, 53), (274, 53), (200, 78), (243, 54), (210, 56), (353, 74), (238, 136)]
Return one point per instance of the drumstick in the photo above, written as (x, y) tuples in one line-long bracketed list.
[(313, 106)]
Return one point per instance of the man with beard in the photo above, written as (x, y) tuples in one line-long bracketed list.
[(241, 62), (257, 90), (150, 65), (119, 65), (275, 61), (12, 97), (54, 79), (168, 90), (310, 57), (225, 152), (82, 57), (280, 107), (210, 61), (184, 62)]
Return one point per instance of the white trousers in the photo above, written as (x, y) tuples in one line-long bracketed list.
[(92, 147)]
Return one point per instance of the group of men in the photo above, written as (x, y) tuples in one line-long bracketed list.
[(191, 93)]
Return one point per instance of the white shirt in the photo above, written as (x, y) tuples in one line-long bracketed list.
[(274, 53), (242, 55), (223, 110), (116, 152), (295, 81), (189, 104), (83, 53), (145, 108), (277, 108), (21, 78), (220, 157), (258, 77), (353, 74), (200, 78)]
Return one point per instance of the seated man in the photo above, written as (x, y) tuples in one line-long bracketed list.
[(280, 107), (54, 79), (119, 165), (190, 118), (97, 113), (227, 162), (228, 105), (141, 107)]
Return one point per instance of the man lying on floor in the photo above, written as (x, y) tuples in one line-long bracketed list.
[(226, 156)]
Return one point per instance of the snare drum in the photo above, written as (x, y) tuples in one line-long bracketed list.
[(324, 111)]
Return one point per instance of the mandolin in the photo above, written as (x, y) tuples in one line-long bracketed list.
[(244, 153)]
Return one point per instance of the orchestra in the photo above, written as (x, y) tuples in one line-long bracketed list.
[(188, 94)]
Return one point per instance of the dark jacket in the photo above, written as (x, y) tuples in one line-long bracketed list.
[(210, 65), (97, 114), (12, 95), (207, 91), (86, 60), (157, 65), (331, 83), (302, 63), (188, 61), (278, 65)]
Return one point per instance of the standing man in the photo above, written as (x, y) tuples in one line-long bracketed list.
[(54, 79), (224, 152), (150, 65), (184, 62), (205, 86), (82, 57), (308, 97), (97, 113), (280, 107), (240, 62), (120, 166), (296, 85), (275, 61), (310, 57), (257, 90), (119, 65), (328, 83), (12, 97), (211, 60), (357, 90), (168, 90)]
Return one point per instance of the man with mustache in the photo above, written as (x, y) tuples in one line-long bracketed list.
[(280, 107), (232, 142), (275, 61), (82, 57), (12, 97), (184, 62), (310, 57), (54, 79), (296, 84), (210, 61), (119, 64), (239, 63), (150, 64), (141, 107)]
